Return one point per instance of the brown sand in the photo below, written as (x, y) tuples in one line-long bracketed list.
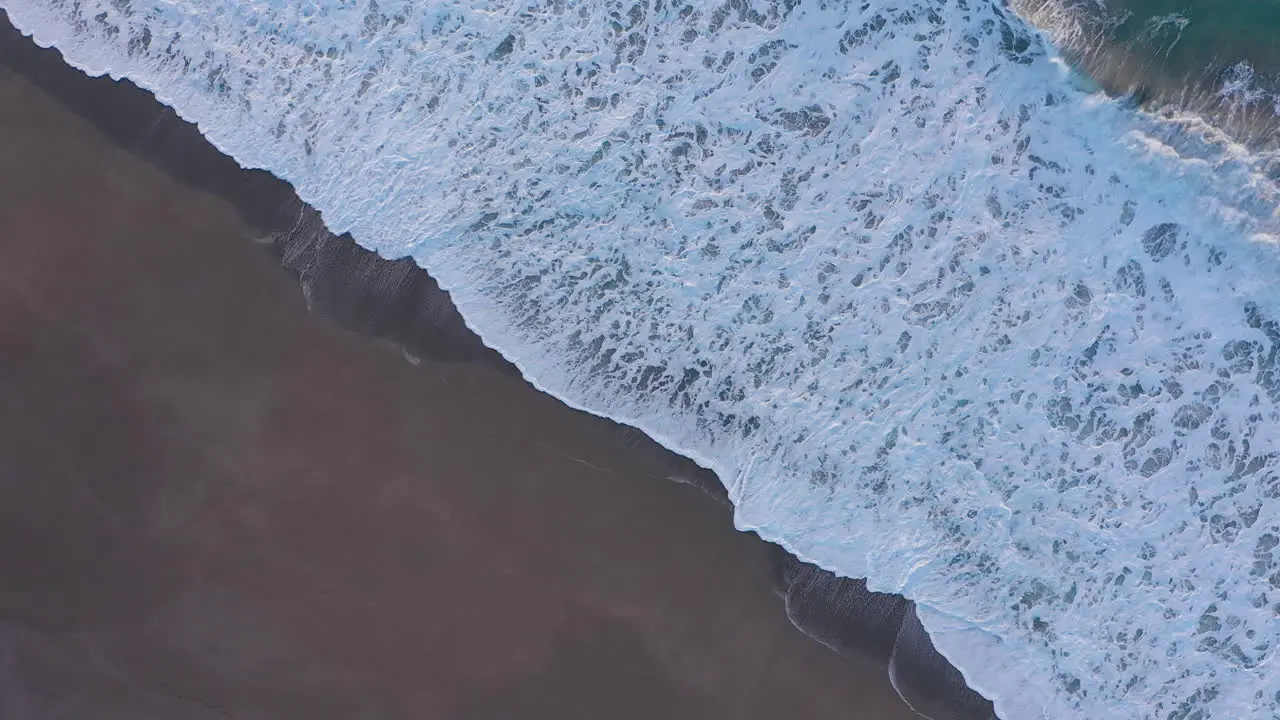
[(215, 504)]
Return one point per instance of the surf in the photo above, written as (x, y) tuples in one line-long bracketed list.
[(936, 314), (1216, 62)]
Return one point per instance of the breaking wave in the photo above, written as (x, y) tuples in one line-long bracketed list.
[(937, 316), (1217, 62)]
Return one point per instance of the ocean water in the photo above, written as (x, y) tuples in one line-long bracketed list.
[(938, 315), (1218, 59), (1190, 36)]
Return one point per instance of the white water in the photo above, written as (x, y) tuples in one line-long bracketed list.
[(937, 317)]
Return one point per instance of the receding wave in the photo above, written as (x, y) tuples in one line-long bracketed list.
[(937, 317)]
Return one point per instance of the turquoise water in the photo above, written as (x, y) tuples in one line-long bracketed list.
[(1188, 37), (1220, 58)]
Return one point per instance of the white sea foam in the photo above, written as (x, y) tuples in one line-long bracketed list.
[(938, 318)]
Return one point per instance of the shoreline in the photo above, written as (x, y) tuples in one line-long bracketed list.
[(400, 303), (217, 503)]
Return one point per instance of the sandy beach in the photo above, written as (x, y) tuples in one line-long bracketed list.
[(970, 300), (215, 503)]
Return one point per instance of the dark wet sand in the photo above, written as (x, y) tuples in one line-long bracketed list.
[(216, 504)]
